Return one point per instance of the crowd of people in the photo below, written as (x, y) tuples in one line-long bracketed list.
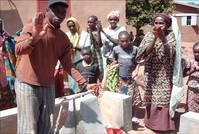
[(42, 62)]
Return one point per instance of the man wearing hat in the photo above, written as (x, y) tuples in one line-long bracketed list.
[(40, 45)]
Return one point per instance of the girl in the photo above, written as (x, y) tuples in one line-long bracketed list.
[(191, 69), (124, 54)]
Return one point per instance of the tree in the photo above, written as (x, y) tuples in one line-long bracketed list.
[(140, 12)]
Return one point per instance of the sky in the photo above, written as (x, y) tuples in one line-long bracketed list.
[(186, 1)]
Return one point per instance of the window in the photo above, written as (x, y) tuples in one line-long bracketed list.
[(189, 20)]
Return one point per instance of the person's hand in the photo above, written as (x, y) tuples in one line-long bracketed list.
[(38, 29), (88, 29), (99, 26), (91, 86), (95, 87), (66, 85), (158, 32), (134, 75), (196, 66)]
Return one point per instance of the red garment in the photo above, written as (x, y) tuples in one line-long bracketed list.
[(158, 118), (59, 82), (114, 131)]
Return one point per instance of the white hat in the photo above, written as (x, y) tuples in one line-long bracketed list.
[(114, 13)]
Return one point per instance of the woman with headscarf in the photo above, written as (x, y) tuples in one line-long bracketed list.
[(110, 40), (63, 81), (75, 35), (157, 51)]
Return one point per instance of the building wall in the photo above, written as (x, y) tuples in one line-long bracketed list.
[(100, 8), (17, 12), (189, 33)]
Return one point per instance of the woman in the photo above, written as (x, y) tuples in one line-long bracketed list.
[(111, 33), (110, 39), (158, 52), (75, 35)]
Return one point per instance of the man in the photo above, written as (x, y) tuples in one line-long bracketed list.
[(40, 45)]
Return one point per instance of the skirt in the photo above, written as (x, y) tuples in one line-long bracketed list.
[(158, 119)]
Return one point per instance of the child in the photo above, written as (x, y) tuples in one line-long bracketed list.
[(124, 55), (88, 69), (191, 69)]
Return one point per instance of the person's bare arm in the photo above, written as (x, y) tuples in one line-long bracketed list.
[(114, 41), (99, 39)]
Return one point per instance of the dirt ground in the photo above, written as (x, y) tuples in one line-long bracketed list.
[(140, 128)]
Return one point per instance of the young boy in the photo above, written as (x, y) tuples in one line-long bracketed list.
[(88, 69), (124, 54)]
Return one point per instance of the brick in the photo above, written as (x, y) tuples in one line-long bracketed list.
[(189, 123), (116, 110)]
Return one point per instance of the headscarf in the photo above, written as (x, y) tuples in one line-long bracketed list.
[(114, 13), (167, 19), (177, 89), (74, 38)]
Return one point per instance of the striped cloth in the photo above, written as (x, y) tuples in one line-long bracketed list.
[(10, 60), (96, 52), (35, 108)]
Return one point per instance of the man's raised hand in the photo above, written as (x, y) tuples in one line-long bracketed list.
[(39, 29)]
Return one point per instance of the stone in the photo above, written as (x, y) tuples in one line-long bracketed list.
[(83, 117), (8, 118), (8, 121), (116, 110), (189, 123)]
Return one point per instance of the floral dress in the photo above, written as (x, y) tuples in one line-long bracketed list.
[(7, 71), (158, 81), (193, 84), (3, 80)]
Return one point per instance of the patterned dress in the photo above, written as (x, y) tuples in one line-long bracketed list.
[(193, 85), (7, 72), (158, 81), (3, 80)]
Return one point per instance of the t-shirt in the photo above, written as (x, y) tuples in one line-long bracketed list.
[(126, 60)]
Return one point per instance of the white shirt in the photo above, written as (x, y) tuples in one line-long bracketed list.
[(114, 34), (84, 41)]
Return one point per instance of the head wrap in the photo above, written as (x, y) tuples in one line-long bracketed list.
[(177, 91), (77, 26), (114, 13), (167, 19)]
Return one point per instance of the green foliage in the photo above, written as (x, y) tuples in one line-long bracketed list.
[(140, 12)]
